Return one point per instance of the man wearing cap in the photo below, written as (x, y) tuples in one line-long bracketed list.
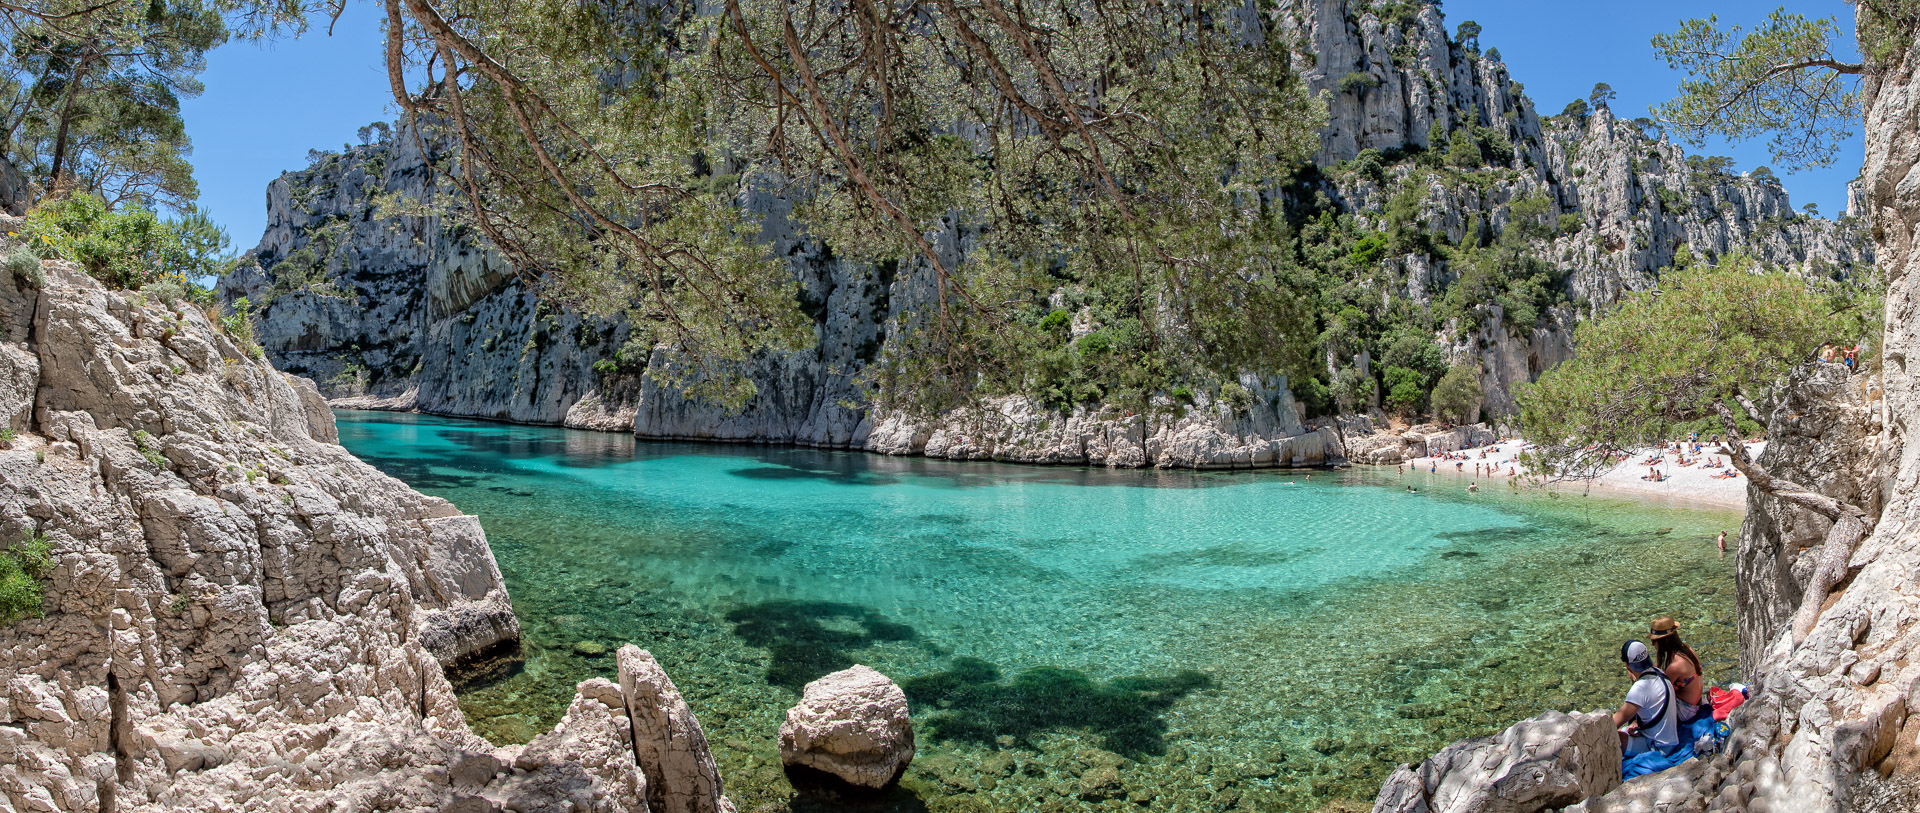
[(1648, 721)]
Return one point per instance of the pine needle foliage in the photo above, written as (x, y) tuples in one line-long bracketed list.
[(1126, 154), (24, 567), (1785, 79), (1713, 338)]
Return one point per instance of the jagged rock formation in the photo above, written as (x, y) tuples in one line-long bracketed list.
[(404, 311), (397, 310), (1638, 198), (667, 741), (241, 615)]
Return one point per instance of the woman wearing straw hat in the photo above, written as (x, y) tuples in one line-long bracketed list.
[(1682, 666)]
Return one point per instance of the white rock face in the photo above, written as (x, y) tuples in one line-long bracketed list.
[(852, 725), (243, 616), (1542, 763), (1390, 446), (668, 742)]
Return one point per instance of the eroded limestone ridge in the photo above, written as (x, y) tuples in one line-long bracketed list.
[(241, 615)]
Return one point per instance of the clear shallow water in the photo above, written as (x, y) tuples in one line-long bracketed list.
[(1070, 639)]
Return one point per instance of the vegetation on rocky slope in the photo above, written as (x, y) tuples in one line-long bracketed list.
[(24, 566), (129, 247)]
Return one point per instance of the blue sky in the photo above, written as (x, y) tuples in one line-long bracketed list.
[(265, 106), (1558, 50)]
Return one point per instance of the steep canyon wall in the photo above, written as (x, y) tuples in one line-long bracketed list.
[(395, 310)]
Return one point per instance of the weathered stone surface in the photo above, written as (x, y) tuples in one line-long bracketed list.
[(1824, 433), (1390, 446), (1543, 763), (669, 744), (585, 762), (852, 725), (242, 616)]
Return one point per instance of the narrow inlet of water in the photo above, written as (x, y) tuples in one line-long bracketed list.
[(1069, 639)]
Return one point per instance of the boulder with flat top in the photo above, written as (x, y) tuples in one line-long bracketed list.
[(851, 726)]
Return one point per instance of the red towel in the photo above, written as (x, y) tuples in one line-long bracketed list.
[(1724, 702)]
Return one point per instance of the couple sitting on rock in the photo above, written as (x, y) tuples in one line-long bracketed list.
[(1668, 708)]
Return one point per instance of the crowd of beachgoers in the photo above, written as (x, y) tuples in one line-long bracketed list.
[(1690, 470)]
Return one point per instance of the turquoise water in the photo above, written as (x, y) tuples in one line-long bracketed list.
[(1070, 639)]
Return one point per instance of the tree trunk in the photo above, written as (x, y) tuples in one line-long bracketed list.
[(66, 119), (1850, 525)]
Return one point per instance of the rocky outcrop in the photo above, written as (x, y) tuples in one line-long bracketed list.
[(396, 310), (15, 192), (1544, 763), (401, 310), (1392, 72), (851, 725), (668, 743), (240, 614), (1825, 432), (1389, 446)]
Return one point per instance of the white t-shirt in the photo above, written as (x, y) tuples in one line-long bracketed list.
[(1648, 693)]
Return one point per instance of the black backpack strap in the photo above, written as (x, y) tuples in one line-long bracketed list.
[(1666, 696)]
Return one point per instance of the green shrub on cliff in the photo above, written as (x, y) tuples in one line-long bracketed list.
[(1405, 390), (1457, 397), (24, 566), (238, 324), (25, 265), (129, 247)]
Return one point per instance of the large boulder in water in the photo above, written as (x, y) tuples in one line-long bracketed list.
[(1543, 763), (851, 725)]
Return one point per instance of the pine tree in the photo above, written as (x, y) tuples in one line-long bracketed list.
[(1077, 143)]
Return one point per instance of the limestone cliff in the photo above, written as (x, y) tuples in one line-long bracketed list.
[(240, 614), (400, 310)]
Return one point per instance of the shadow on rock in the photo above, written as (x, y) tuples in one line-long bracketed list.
[(491, 666), (974, 705), (807, 639)]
